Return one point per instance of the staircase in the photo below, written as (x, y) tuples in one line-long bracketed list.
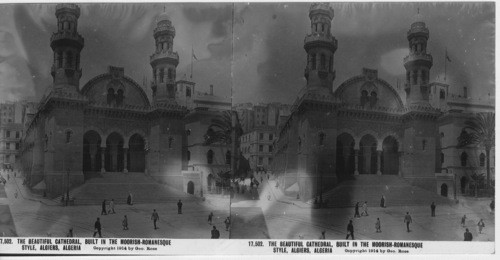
[(371, 188), (117, 186)]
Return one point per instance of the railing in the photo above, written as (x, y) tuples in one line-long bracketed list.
[(320, 37), (164, 54), (67, 35), (418, 56)]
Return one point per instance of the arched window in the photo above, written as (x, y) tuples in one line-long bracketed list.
[(313, 61), (463, 159), (228, 157), (330, 67), (162, 75), (69, 133), (415, 76), (69, 59), (321, 138), (442, 157), (111, 96), (210, 157), (188, 92), (170, 142), (364, 97), (482, 159), (119, 97), (322, 27), (169, 73), (373, 98), (441, 94), (322, 61), (188, 155)]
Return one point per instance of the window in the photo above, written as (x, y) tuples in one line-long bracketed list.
[(188, 155), (162, 74), (7, 146), (7, 134), (119, 97), (210, 157), (270, 160), (228, 157), (321, 138), (364, 98), (69, 133), (69, 59), (270, 148), (188, 132), (313, 61), (482, 158), (322, 62), (424, 143), (17, 146), (170, 142), (188, 92), (270, 137), (261, 160), (463, 159), (111, 96), (261, 136), (17, 134), (373, 98), (261, 148), (441, 94), (442, 157), (169, 73), (415, 75)]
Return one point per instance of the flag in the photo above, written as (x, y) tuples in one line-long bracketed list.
[(447, 57)]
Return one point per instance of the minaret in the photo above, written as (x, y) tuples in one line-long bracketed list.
[(66, 44), (320, 46), (164, 61), (417, 64)]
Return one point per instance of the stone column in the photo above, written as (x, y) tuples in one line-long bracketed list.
[(356, 159), (103, 155), (379, 155), (125, 150)]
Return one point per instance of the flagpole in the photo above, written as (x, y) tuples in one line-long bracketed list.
[(445, 61), (192, 55)]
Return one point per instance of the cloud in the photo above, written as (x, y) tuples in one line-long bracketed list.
[(392, 62)]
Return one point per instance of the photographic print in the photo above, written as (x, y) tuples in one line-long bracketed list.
[(281, 128)]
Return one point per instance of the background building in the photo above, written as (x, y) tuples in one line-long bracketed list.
[(11, 131)]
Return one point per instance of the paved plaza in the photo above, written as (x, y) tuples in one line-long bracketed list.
[(266, 215)]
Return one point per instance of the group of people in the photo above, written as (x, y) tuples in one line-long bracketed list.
[(468, 235)]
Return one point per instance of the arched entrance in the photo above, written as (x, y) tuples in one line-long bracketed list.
[(91, 152), (367, 163), (463, 184), (114, 153), (389, 163), (136, 155), (444, 190), (190, 187), (345, 156)]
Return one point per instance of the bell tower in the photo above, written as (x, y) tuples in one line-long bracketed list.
[(417, 64), (320, 46), (164, 61), (66, 44)]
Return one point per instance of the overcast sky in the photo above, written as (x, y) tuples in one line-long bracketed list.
[(266, 62)]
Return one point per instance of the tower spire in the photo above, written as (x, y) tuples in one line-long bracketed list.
[(320, 46), (418, 63)]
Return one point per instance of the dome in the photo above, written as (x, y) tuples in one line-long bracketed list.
[(322, 7)]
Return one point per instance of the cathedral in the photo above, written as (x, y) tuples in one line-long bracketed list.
[(109, 124), (367, 127)]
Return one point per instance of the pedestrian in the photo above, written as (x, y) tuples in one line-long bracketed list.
[(70, 233), (356, 210), (480, 226), (365, 209), (97, 228), (407, 221), (179, 207), (155, 217), (377, 226), (433, 209), (462, 222), (210, 216), (112, 207), (215, 233), (125, 223), (228, 223), (350, 230), (103, 211), (322, 237), (382, 202), (129, 199), (467, 235)]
